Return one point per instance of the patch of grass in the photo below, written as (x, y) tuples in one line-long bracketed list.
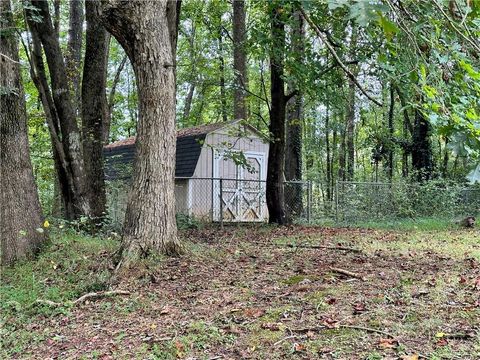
[(70, 266), (420, 224), (455, 244), (199, 338)]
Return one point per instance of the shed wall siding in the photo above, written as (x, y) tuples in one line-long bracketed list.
[(202, 202)]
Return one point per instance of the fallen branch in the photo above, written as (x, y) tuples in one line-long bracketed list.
[(96, 295), (341, 248), (347, 273), (83, 298)]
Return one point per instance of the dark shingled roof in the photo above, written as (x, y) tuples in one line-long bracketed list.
[(120, 154)]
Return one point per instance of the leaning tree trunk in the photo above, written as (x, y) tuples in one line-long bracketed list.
[(94, 111), (239, 60), (147, 32), (64, 106), (275, 192), (20, 215)]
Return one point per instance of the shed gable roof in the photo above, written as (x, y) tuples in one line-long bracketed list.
[(189, 145)]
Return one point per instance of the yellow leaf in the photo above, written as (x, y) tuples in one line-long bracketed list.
[(410, 357), (46, 224), (440, 335)]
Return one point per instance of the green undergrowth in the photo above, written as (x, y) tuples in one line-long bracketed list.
[(71, 265)]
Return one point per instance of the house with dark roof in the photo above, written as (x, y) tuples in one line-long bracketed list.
[(220, 171)]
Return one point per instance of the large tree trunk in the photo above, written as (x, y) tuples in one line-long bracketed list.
[(293, 157), (94, 109), (20, 214), (147, 31), (73, 58), (275, 192), (239, 60), (64, 106)]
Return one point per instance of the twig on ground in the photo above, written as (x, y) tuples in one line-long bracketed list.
[(337, 326), (83, 298), (284, 339), (367, 329), (347, 273), (342, 248)]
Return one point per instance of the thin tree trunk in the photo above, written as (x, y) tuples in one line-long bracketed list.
[(221, 60), (342, 157), (64, 177), (350, 113), (94, 111), (407, 131), (188, 101), (20, 214), (111, 100), (275, 192), (390, 133), (64, 105), (445, 159), (329, 164), (239, 60), (149, 27)]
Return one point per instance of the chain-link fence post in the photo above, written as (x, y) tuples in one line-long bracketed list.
[(221, 203)]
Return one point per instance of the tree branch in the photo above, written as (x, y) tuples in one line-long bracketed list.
[(337, 58)]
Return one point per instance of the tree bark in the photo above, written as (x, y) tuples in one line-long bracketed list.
[(239, 60), (188, 101), (73, 59), (275, 191), (390, 133), (422, 159), (20, 214), (350, 112), (94, 111), (64, 106), (147, 31), (293, 157)]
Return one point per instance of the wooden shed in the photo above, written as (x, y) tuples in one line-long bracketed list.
[(220, 171)]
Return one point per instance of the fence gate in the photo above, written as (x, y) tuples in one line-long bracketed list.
[(239, 192)]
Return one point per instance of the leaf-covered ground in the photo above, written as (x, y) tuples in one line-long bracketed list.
[(254, 293)]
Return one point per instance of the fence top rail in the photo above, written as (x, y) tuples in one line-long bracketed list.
[(233, 179), (372, 183)]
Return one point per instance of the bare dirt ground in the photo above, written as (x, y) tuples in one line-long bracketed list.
[(282, 293)]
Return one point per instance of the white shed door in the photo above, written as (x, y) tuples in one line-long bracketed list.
[(240, 195)]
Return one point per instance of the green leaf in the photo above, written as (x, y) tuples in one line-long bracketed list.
[(389, 28)]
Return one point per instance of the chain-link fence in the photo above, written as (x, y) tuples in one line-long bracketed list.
[(221, 201), (359, 201)]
